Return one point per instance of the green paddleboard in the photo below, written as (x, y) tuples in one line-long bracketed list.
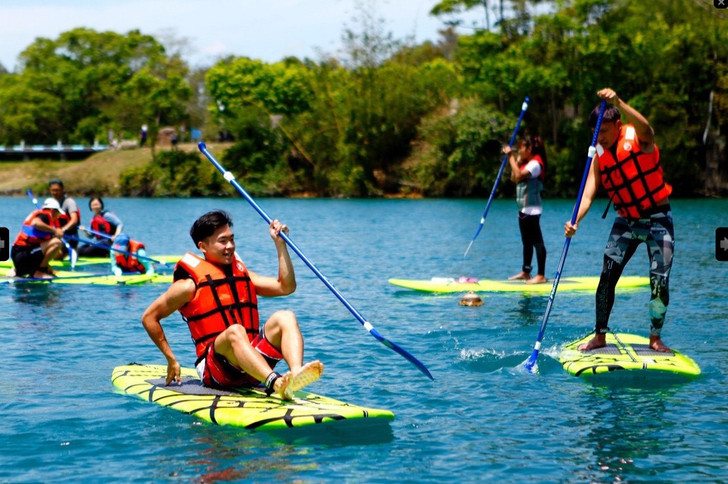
[(247, 408), (625, 355)]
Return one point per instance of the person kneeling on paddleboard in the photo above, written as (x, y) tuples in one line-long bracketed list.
[(628, 167), (130, 256), (217, 297), (38, 242)]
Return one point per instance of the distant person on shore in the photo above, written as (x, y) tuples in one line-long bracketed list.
[(143, 136), (38, 242), (129, 256), (628, 167), (71, 215), (103, 222), (217, 296), (528, 172)]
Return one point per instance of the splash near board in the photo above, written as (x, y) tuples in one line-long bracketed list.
[(625, 352), (247, 408), (466, 284)]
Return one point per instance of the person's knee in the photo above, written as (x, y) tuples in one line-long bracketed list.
[(236, 335), (286, 320)]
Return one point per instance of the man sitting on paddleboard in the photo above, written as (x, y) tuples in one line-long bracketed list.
[(628, 167), (38, 242), (217, 296)]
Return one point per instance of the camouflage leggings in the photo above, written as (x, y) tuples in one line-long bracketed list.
[(658, 233)]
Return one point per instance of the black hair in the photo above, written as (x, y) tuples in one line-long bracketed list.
[(55, 181), (206, 225), (96, 198), (611, 114), (537, 147)]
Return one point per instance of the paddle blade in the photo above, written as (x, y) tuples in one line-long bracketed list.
[(74, 257), (531, 363)]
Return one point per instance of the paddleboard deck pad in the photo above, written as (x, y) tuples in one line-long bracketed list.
[(465, 284), (625, 352), (247, 408)]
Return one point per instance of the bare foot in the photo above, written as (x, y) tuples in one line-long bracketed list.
[(42, 275), (536, 280), (598, 341), (521, 275), (11, 272), (657, 344), (292, 382)]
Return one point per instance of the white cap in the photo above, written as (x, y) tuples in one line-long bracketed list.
[(53, 204)]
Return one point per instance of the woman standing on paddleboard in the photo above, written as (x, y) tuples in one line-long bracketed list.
[(528, 172)]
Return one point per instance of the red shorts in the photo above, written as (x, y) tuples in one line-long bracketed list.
[(217, 372)]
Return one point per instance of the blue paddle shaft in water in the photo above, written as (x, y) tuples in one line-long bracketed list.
[(231, 179), (530, 363), (113, 249), (524, 107)]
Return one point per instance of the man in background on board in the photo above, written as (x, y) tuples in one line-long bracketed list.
[(103, 222), (528, 172), (129, 255), (628, 167), (38, 242), (217, 296), (71, 216)]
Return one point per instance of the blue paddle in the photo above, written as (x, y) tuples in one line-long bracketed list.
[(72, 254), (524, 107), (93, 232), (530, 363), (367, 325), (106, 247)]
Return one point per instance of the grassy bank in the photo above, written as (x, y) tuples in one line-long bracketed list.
[(97, 174)]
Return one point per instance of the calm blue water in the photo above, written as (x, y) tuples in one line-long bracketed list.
[(483, 419)]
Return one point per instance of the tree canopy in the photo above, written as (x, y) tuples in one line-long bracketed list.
[(393, 117)]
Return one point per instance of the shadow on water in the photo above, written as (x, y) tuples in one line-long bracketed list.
[(35, 295)]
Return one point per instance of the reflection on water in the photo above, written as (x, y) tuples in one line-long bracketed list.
[(627, 427)]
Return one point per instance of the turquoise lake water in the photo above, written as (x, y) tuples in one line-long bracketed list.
[(483, 419)]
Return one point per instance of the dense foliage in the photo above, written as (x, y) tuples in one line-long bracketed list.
[(392, 118)]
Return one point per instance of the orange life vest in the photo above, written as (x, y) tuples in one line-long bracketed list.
[(634, 180), (29, 235), (220, 300), (129, 263)]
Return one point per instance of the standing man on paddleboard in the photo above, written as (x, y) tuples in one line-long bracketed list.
[(628, 167), (528, 172), (217, 297)]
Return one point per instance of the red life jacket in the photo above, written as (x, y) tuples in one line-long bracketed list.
[(100, 224), (634, 180), (65, 217), (29, 235), (129, 263), (219, 300)]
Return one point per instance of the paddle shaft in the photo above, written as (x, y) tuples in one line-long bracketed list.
[(101, 246), (531, 362), (524, 107), (93, 232), (231, 179)]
